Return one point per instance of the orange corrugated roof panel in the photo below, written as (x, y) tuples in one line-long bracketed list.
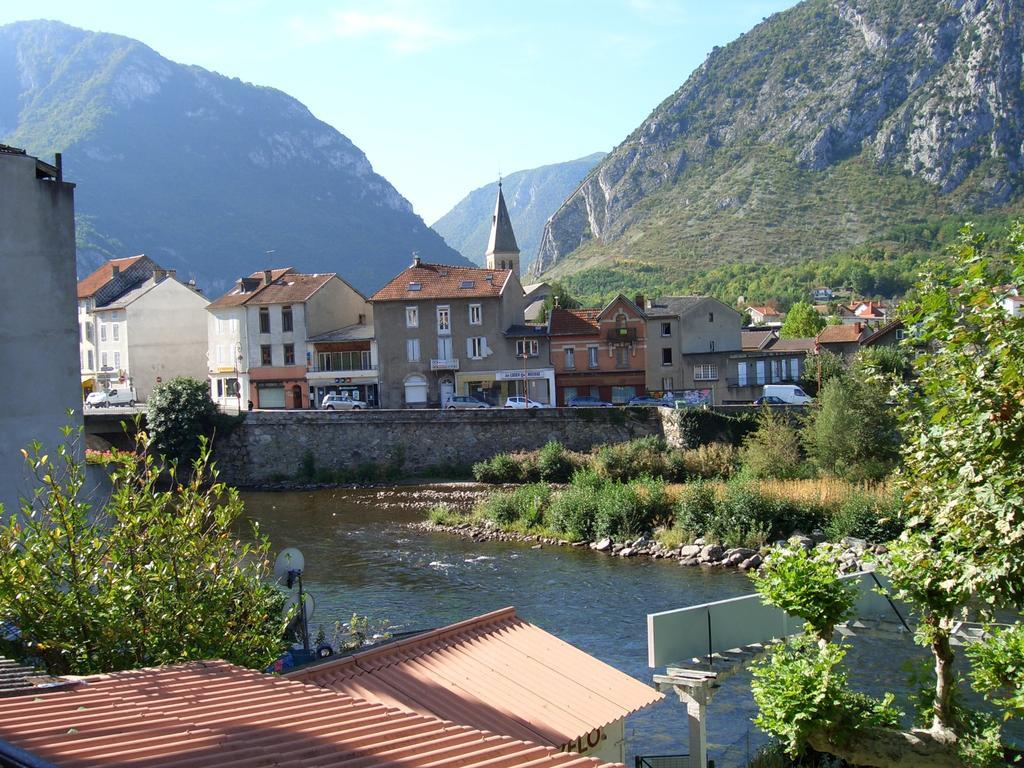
[(495, 672), (215, 713)]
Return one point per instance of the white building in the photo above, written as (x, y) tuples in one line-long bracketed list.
[(139, 326), (37, 337), (260, 332)]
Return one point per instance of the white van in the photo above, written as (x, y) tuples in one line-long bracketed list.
[(788, 393), (118, 396)]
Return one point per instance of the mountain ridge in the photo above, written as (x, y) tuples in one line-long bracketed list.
[(532, 195), (207, 174), (821, 128)]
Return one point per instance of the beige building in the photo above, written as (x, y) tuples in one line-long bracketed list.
[(37, 337), (691, 343), (139, 326), (259, 335), (444, 330)]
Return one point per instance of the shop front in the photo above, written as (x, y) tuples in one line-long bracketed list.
[(278, 387), (495, 387)]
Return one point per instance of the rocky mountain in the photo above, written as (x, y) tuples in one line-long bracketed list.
[(202, 172), (531, 196), (825, 127)]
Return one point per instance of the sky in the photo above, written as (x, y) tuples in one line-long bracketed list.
[(442, 95)]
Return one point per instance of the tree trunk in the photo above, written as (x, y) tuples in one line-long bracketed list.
[(942, 708), (885, 748)]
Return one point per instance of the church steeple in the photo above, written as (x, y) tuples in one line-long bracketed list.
[(502, 250)]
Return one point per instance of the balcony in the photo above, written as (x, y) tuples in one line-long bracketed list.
[(621, 335), (342, 369), (444, 365)]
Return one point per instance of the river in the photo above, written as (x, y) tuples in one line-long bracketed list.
[(363, 557)]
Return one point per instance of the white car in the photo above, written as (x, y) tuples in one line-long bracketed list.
[(336, 402), (120, 396), (518, 401)]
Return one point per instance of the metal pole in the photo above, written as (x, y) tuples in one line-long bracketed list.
[(710, 651), (891, 603), (302, 609)]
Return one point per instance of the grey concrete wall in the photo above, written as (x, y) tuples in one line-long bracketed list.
[(38, 328), (271, 446)]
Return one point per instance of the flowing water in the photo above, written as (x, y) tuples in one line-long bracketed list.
[(363, 557)]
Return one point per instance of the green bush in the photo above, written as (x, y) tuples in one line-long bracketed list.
[(501, 468), (179, 412), (573, 511), (445, 514), (628, 510), (554, 463), (695, 509), (865, 517), (523, 505), (630, 460), (773, 449), (713, 460)]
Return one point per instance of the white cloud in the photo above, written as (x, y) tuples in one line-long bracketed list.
[(400, 29)]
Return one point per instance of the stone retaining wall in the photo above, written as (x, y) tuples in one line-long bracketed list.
[(273, 446)]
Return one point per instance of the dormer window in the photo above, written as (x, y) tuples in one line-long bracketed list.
[(415, 286), (467, 284)]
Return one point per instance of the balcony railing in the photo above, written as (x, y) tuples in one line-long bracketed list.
[(621, 335), (357, 369), (444, 365), (754, 381)]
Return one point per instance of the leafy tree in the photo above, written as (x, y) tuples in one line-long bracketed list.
[(180, 412), (802, 322), (851, 430), (155, 577), (773, 449), (962, 554), (820, 368)]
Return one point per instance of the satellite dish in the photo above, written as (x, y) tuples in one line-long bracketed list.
[(293, 600), (290, 559)]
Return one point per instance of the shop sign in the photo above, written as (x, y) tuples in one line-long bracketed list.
[(586, 743), (518, 375)]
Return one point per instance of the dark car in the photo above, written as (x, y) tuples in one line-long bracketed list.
[(769, 400), (464, 402), (586, 401), (650, 402)]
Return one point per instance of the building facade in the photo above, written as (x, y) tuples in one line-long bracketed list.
[(139, 326), (599, 352), (692, 342), (37, 241), (259, 335)]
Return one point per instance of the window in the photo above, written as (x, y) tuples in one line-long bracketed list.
[(289, 354), (220, 387), (568, 393), (412, 317), (117, 360), (286, 318), (705, 372), (415, 388), (103, 361), (477, 347), (444, 348), (666, 355), (711, 317), (570, 358), (622, 358), (741, 374), (412, 350), (264, 319), (103, 331), (476, 314), (444, 320), (666, 329), (527, 347), (711, 346), (622, 395), (116, 330), (592, 357), (114, 317), (81, 332), (759, 372), (88, 333), (666, 384), (265, 358), (89, 355), (900, 334), (356, 360)]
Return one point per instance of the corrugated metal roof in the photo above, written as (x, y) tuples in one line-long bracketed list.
[(358, 332), (214, 713), (16, 678), (87, 286), (495, 672)]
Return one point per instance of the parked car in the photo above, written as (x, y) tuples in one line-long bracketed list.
[(119, 396), (586, 401), (790, 394), (769, 400), (335, 402), (464, 402), (518, 401), (652, 402)]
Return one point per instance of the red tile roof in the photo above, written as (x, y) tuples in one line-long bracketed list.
[(89, 285), (496, 673), (754, 340), (443, 281), (574, 322), (214, 713), (286, 287), (840, 334)]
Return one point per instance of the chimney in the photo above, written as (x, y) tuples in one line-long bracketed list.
[(58, 161), (639, 300), (558, 300), (173, 274), (415, 258), (159, 275), (266, 276)]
